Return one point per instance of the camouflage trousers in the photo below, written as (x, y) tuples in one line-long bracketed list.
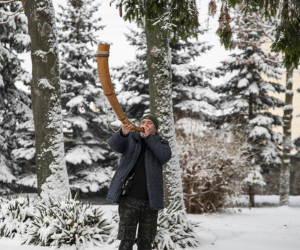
[(133, 212)]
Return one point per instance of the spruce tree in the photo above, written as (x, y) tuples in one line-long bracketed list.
[(246, 96), (88, 157), (17, 152), (191, 90), (285, 15)]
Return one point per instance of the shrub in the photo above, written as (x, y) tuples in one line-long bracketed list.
[(15, 216), (174, 229), (214, 164), (67, 222)]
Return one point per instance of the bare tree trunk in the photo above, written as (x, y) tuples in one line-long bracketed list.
[(52, 177), (286, 150), (251, 195), (160, 90), (251, 186)]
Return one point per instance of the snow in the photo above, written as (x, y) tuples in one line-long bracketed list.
[(243, 83), (261, 120), (29, 181), (26, 153), (255, 177), (262, 228), (288, 107), (129, 98), (82, 153), (76, 101), (260, 131), (44, 83), (196, 106), (253, 88), (5, 173), (78, 121)]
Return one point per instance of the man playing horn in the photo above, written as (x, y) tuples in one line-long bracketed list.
[(143, 155)]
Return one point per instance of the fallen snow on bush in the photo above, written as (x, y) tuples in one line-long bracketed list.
[(274, 228), (48, 222)]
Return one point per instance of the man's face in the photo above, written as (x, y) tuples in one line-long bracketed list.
[(149, 124)]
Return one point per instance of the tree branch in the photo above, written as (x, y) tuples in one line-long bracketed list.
[(266, 34), (12, 13), (5, 2), (10, 19)]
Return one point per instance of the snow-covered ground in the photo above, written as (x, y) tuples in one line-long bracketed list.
[(262, 228)]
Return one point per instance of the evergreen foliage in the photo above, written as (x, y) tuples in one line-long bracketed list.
[(179, 18), (87, 155), (192, 92), (67, 222), (286, 12), (51, 222), (246, 97), (17, 163), (174, 229), (15, 216)]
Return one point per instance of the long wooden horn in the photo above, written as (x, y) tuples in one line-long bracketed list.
[(109, 92)]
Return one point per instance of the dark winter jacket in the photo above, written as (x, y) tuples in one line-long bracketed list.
[(158, 152)]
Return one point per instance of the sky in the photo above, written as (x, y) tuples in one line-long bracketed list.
[(121, 51)]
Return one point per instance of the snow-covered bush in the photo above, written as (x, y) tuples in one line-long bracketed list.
[(214, 163), (67, 222), (174, 229), (15, 216)]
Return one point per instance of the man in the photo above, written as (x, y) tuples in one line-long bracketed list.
[(140, 206)]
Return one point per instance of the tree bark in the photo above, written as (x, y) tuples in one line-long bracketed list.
[(286, 150), (250, 106), (251, 195), (160, 91), (52, 177)]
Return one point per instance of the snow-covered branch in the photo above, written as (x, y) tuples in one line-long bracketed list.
[(5, 13), (213, 162), (263, 29), (6, 2), (10, 19)]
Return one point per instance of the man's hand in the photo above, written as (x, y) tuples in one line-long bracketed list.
[(147, 131), (126, 129)]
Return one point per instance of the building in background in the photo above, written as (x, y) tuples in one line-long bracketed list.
[(296, 98)]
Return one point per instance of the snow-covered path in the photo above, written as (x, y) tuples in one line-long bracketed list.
[(256, 229)]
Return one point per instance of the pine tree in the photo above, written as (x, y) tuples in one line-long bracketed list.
[(246, 95), (16, 119), (87, 155), (191, 90), (285, 39)]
